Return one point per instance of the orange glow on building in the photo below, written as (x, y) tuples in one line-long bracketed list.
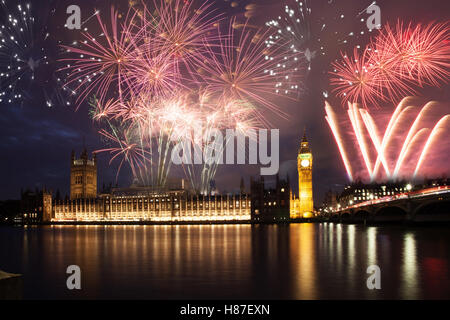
[(170, 206), (303, 206)]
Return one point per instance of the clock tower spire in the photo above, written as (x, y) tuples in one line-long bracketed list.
[(304, 207)]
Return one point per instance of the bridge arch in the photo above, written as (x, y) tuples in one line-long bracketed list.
[(433, 211), (361, 215), (346, 216), (390, 214)]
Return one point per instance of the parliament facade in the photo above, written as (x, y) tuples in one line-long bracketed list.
[(171, 204), (140, 203)]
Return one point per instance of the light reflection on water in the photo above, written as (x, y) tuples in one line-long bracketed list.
[(409, 268), (371, 246), (298, 261)]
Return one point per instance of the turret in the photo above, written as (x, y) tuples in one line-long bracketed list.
[(83, 176)]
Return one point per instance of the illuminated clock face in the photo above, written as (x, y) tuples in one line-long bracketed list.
[(305, 163)]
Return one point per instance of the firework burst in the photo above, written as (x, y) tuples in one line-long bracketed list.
[(408, 147), (244, 67), (101, 66), (181, 31), (421, 53), (125, 149), (355, 78), (396, 63), (26, 67), (168, 75)]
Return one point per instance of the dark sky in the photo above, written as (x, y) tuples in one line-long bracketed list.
[(36, 140)]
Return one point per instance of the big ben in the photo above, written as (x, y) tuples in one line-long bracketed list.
[(303, 207)]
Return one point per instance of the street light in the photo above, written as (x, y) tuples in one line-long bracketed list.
[(409, 187)]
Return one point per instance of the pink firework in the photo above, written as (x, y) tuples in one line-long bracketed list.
[(421, 53), (182, 31), (356, 79), (411, 145), (99, 66), (168, 74), (242, 68), (125, 149), (107, 110), (395, 64), (152, 75)]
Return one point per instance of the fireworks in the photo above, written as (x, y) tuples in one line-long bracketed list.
[(403, 150), (143, 131), (244, 68), (168, 75), (181, 31), (130, 152), (394, 64), (421, 52), (306, 36), (293, 31), (25, 66), (100, 65), (356, 79)]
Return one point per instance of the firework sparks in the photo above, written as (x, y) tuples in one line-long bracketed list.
[(244, 67), (25, 66), (421, 52), (168, 75), (354, 79), (129, 151), (293, 31), (181, 31), (396, 150), (99, 65), (397, 62), (306, 35)]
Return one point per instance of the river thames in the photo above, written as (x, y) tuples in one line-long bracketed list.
[(297, 261)]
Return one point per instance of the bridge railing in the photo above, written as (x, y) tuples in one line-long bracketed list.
[(400, 196)]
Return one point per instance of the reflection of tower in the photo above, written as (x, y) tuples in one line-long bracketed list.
[(83, 176), (304, 165)]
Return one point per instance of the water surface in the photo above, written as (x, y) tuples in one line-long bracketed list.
[(297, 261)]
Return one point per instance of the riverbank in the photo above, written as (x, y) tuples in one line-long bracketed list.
[(10, 286), (338, 220)]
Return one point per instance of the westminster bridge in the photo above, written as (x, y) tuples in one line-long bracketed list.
[(426, 205)]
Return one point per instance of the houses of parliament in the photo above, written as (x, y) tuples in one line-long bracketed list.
[(178, 204)]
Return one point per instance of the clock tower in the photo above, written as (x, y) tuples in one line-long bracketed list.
[(303, 206)]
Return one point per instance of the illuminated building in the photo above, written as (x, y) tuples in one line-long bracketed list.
[(177, 204), (83, 176), (303, 206), (359, 192), (136, 203), (157, 206)]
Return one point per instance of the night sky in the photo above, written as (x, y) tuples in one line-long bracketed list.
[(36, 140)]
